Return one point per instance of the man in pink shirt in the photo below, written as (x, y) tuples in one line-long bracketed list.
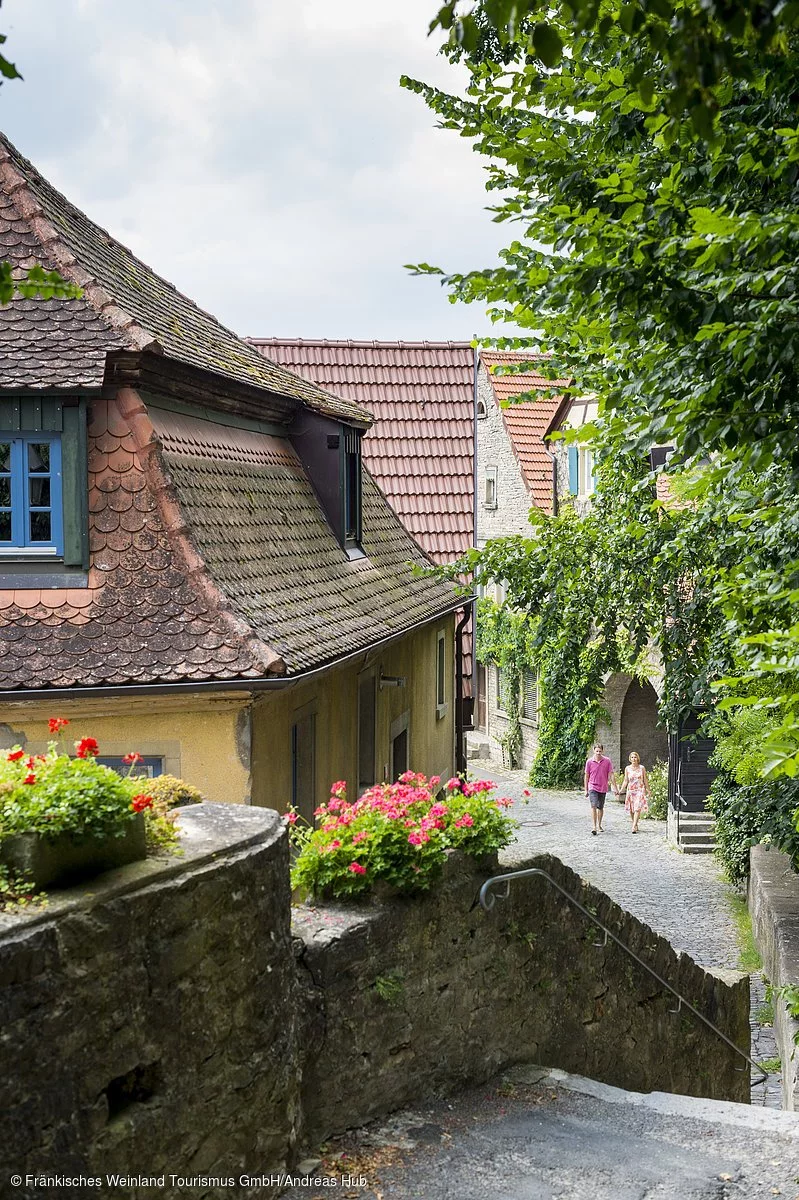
[(598, 773)]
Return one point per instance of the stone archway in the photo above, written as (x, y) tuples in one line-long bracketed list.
[(639, 726)]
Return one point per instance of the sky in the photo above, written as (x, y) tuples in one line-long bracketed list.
[(260, 155)]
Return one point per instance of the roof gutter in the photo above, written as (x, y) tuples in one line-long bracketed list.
[(268, 684)]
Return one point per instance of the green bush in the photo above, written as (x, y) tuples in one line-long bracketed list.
[(747, 816), (659, 787), (398, 834), (173, 792)]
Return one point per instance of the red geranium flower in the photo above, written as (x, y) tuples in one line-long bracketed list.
[(133, 757), (29, 779), (87, 748), (15, 755), (139, 803), (57, 724)]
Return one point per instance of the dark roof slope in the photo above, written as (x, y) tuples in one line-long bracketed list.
[(211, 561), (257, 524), (125, 305), (420, 446)]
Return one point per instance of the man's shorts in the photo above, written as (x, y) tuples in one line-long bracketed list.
[(597, 799)]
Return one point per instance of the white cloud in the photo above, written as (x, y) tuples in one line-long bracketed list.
[(260, 154)]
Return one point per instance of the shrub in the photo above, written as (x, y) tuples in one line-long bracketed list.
[(659, 787), (397, 833), (173, 792), (746, 816)]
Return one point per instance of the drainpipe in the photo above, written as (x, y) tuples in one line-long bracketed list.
[(460, 748)]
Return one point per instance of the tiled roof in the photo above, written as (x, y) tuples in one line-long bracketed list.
[(125, 305), (211, 560), (142, 620), (259, 528), (420, 446), (526, 421)]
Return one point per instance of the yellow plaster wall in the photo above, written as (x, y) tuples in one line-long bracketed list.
[(333, 697), (202, 740)]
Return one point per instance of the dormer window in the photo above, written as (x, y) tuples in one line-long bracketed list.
[(352, 489), (43, 475)]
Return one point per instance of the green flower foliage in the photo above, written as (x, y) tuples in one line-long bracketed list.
[(397, 834), (75, 795)]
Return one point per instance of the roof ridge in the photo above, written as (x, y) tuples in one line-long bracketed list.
[(360, 344), (64, 259)]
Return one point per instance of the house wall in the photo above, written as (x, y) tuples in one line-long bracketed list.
[(333, 697), (494, 450), (202, 739)]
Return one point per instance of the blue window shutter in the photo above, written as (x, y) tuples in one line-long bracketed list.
[(574, 470)]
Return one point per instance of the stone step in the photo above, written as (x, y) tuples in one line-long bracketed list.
[(697, 837), (700, 818), (697, 847)]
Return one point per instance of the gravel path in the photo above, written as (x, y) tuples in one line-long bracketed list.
[(682, 896)]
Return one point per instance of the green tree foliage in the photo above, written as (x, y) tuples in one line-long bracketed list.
[(654, 259), (698, 43)]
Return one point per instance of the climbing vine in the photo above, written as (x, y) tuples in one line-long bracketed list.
[(504, 639)]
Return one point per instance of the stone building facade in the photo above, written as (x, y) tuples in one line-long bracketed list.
[(515, 472)]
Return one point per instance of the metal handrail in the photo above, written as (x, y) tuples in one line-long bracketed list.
[(487, 901)]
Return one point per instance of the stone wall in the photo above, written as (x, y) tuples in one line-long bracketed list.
[(421, 996), (774, 906), (168, 1018), (146, 1018)]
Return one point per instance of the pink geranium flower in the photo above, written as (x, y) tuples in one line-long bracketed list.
[(464, 821), (453, 785), (356, 868)]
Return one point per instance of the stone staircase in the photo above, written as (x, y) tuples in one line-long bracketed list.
[(697, 833), (537, 1133)]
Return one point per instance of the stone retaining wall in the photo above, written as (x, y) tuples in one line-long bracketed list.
[(418, 997), (147, 1023), (160, 1021), (774, 907)]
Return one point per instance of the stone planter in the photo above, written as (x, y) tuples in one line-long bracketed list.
[(64, 858)]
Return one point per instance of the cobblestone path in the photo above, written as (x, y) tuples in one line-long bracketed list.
[(682, 896)]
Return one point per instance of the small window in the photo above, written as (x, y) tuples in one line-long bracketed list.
[(530, 700), (31, 522), (481, 408), (441, 674), (149, 767), (491, 487), (352, 488)]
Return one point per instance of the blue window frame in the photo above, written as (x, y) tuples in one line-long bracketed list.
[(31, 516)]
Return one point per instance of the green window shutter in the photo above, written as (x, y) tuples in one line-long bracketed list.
[(75, 486)]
